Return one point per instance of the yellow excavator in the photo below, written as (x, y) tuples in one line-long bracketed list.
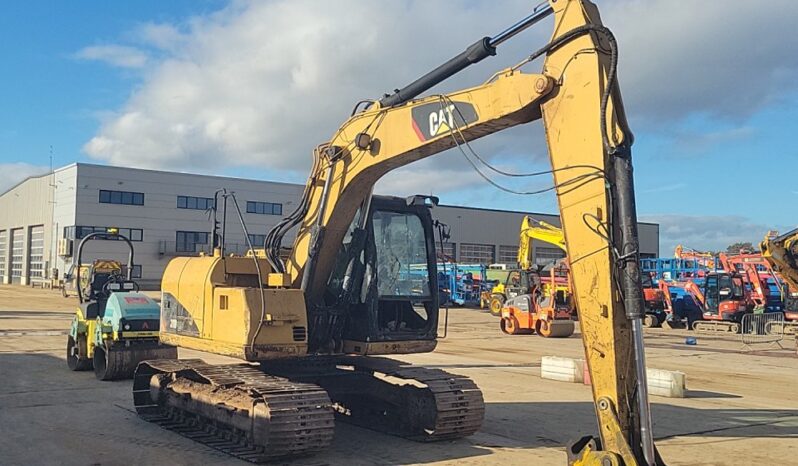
[(537, 229), (781, 251), (521, 281), (351, 288)]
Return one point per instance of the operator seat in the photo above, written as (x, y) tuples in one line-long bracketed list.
[(98, 299)]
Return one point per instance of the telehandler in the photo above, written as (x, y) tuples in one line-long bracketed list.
[(316, 321)]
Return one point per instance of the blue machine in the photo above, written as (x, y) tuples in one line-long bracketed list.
[(670, 268), (461, 284)]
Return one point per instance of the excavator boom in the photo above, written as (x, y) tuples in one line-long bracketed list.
[(578, 99)]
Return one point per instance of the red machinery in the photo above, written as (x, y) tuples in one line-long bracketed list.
[(548, 310), (656, 304), (758, 275), (721, 300), (707, 259)]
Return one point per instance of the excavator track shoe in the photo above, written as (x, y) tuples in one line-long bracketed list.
[(236, 409), (381, 394)]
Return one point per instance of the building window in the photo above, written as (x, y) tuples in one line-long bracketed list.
[(545, 256), (477, 253), (257, 240), (508, 254), (267, 208), (121, 197), (197, 203), (80, 232), (187, 241), (36, 262)]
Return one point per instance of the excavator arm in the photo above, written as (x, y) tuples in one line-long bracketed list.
[(577, 97), (537, 229)]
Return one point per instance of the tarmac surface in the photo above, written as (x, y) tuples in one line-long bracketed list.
[(741, 406)]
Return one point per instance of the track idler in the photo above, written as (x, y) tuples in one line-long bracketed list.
[(118, 361)]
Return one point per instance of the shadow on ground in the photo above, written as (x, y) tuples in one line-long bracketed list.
[(46, 410)]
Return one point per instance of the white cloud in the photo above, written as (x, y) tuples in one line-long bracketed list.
[(260, 84), (723, 59), (114, 55), (707, 232), (13, 173)]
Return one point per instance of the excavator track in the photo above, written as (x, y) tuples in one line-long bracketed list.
[(385, 395), (236, 408), (712, 326)]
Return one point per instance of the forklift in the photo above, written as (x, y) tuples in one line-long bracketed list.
[(115, 326)]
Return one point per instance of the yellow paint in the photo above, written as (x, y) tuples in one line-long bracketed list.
[(782, 254), (539, 230), (227, 309), (566, 95)]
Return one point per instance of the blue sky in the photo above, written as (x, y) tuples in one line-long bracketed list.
[(248, 89)]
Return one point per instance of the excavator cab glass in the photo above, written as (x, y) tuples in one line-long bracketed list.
[(722, 287), (394, 299)]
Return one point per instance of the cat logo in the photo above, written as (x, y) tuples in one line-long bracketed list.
[(437, 119), (441, 121)]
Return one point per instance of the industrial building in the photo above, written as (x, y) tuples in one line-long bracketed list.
[(166, 214)]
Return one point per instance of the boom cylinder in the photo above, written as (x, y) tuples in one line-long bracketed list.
[(475, 53)]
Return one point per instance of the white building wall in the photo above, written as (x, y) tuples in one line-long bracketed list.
[(65, 196), (24, 206)]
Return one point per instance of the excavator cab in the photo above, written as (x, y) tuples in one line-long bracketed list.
[(395, 298), (723, 293)]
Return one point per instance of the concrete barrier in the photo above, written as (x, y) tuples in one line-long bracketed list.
[(671, 384), (562, 369)]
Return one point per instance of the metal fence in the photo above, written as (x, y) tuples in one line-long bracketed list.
[(766, 327)]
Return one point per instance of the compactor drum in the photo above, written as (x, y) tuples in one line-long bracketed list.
[(115, 327)]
